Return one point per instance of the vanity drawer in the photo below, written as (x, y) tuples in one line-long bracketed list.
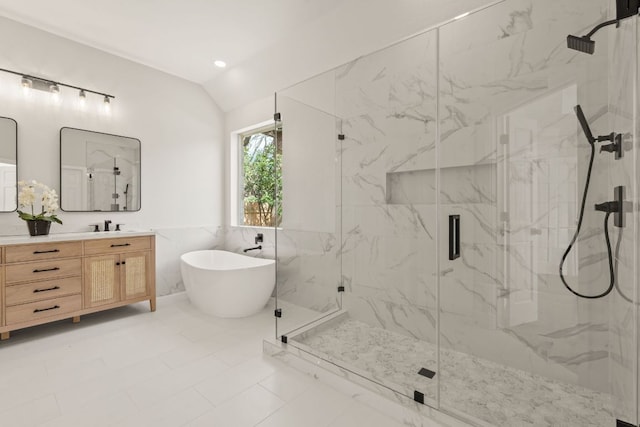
[(30, 292), (43, 270), (121, 244), (42, 309), (35, 252)]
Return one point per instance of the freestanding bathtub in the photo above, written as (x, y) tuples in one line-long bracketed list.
[(226, 284)]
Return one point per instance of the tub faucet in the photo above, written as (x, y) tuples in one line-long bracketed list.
[(106, 224), (253, 249)]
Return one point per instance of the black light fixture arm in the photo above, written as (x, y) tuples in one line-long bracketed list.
[(53, 82)]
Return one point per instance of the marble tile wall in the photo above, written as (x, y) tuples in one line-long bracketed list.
[(308, 270), (171, 243), (387, 102), (503, 301)]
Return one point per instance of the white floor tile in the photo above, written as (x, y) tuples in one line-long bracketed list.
[(235, 380), (287, 384), (110, 382), (189, 352), (175, 411), (32, 413), (245, 410), (361, 415), (317, 407), (163, 386), (174, 367), (99, 412)]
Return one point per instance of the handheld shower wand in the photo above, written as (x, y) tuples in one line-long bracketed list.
[(607, 207)]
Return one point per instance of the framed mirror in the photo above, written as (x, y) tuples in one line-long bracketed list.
[(8, 165), (99, 172)]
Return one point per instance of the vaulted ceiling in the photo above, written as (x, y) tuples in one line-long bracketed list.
[(267, 44)]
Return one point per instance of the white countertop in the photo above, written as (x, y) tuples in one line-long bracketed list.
[(62, 237)]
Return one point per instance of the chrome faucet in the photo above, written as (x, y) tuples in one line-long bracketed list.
[(106, 224)]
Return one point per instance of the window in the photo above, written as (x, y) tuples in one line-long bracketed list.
[(260, 177)]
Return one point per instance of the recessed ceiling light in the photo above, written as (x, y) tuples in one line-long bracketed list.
[(220, 64)]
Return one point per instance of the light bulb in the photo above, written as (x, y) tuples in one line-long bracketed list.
[(55, 93), (82, 99), (107, 104), (220, 64), (26, 85)]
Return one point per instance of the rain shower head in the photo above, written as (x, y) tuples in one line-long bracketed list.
[(585, 125), (581, 44), (584, 43), (624, 9)]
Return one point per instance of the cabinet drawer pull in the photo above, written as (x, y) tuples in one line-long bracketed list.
[(38, 310), (46, 269), (45, 290), (123, 244), (46, 252)]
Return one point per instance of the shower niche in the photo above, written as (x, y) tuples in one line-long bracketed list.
[(99, 172)]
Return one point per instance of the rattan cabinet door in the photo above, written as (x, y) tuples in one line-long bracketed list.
[(101, 280), (135, 275)]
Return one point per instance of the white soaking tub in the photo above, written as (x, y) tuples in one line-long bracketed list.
[(227, 284)]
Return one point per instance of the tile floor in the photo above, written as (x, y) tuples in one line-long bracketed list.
[(469, 384), (174, 367)]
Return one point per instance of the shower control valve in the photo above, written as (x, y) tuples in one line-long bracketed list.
[(618, 206), (610, 207), (259, 238), (615, 146)]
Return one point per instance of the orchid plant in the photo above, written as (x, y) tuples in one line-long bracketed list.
[(48, 201)]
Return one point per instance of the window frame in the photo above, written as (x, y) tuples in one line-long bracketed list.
[(236, 173)]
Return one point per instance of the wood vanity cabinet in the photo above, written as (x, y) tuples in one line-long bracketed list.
[(45, 282), (117, 270)]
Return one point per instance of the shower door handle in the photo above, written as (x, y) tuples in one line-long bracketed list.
[(454, 236)]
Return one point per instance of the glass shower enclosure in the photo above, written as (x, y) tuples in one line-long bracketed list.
[(430, 191)]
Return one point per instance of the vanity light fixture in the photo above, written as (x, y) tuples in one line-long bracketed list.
[(32, 82)]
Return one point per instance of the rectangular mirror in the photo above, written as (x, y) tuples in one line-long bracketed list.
[(8, 162), (98, 172)]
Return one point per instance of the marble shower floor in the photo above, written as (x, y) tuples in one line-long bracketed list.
[(482, 389)]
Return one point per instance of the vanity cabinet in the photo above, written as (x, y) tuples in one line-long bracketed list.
[(44, 282), (120, 271)]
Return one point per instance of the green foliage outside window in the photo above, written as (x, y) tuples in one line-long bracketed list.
[(262, 161)]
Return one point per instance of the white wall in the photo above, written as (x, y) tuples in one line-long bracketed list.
[(179, 125)]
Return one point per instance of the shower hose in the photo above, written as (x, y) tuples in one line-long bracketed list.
[(612, 277)]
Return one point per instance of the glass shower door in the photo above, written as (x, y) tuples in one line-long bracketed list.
[(307, 237), (387, 101), (516, 347), (367, 269)]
